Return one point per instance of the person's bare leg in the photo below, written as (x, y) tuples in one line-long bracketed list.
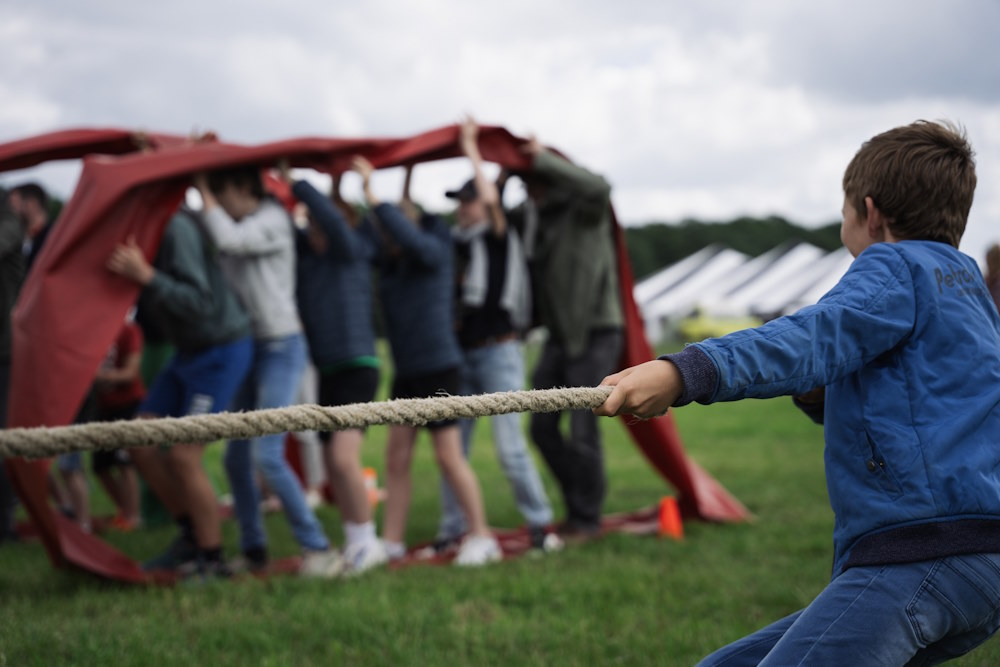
[(58, 492), (79, 496), (112, 487), (398, 458), (155, 469), (458, 472), (128, 483), (196, 488), (343, 468)]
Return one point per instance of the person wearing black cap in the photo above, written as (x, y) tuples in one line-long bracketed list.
[(494, 298)]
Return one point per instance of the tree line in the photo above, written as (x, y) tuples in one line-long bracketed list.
[(654, 246)]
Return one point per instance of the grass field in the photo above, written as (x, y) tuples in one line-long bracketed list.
[(624, 600)]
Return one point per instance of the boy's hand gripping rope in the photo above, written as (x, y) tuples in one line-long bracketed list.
[(42, 442)]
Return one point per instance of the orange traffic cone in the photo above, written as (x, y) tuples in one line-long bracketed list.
[(371, 485), (670, 519)]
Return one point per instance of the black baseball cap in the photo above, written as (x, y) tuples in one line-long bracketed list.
[(466, 193)]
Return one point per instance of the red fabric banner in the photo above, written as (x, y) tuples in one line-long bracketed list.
[(76, 143), (71, 307)]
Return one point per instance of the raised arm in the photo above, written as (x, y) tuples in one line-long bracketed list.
[(426, 249), (342, 240), (262, 232), (566, 174), (406, 204), (487, 189)]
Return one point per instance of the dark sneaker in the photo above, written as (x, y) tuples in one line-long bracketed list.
[(439, 547), (205, 571), (181, 552), (253, 561), (543, 541), (574, 533)]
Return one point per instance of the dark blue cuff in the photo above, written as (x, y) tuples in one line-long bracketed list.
[(698, 373)]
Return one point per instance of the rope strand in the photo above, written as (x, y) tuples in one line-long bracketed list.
[(43, 442)]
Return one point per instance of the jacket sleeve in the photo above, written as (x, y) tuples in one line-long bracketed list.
[(567, 175), (264, 231), (426, 249), (11, 232), (181, 285), (869, 312), (343, 244)]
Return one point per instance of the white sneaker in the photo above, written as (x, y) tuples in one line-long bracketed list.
[(394, 550), (313, 498), (323, 564), (478, 550), (552, 543), (363, 556)]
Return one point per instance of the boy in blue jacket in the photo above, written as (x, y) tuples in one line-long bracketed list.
[(907, 347)]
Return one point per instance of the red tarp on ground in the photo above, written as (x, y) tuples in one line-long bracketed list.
[(71, 307)]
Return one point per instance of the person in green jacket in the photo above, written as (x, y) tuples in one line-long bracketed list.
[(185, 291), (568, 234)]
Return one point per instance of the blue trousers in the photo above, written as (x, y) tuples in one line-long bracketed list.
[(911, 614), (273, 382)]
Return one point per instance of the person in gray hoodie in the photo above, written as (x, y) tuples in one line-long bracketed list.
[(256, 244)]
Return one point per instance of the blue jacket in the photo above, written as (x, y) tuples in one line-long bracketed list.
[(417, 287), (908, 347), (334, 290)]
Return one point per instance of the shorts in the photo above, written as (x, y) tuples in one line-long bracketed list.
[(103, 460), (351, 385), (448, 381), (201, 382), (72, 462)]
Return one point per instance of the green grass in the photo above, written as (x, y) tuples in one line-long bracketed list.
[(623, 600)]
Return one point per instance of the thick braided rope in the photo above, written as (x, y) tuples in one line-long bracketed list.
[(42, 442)]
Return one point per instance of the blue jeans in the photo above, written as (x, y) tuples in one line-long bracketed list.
[(273, 382), (490, 369), (910, 614)]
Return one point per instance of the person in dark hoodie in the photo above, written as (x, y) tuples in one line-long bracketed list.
[(334, 294), (416, 282)]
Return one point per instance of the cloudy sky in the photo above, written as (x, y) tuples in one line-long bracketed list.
[(710, 109)]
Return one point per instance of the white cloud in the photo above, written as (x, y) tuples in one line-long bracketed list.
[(710, 109)]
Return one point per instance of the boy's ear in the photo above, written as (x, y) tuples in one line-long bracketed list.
[(876, 221)]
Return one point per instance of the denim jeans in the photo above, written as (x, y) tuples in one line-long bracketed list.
[(910, 614), (490, 369), (273, 382)]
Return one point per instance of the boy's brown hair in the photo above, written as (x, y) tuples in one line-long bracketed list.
[(920, 176)]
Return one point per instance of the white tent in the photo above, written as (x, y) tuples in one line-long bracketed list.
[(769, 289), (723, 283), (662, 281), (675, 292), (829, 271)]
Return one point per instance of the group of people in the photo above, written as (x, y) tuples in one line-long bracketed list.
[(249, 292), (900, 361)]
